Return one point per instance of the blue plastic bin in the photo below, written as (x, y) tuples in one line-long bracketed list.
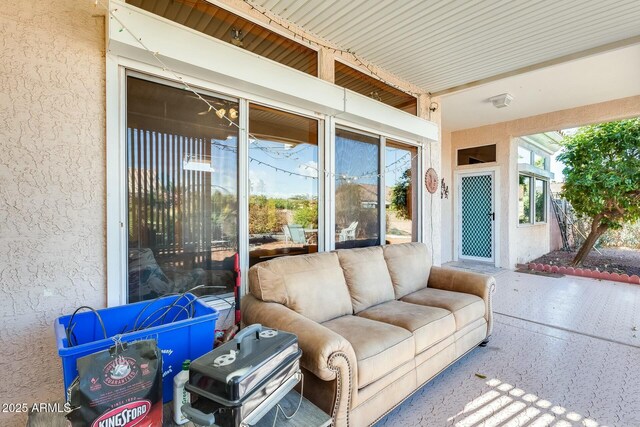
[(184, 338)]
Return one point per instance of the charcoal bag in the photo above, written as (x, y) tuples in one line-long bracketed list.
[(120, 387)]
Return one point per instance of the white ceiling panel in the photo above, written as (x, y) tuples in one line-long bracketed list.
[(597, 78), (439, 45)]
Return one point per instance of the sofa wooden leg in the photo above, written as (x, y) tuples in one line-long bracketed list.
[(484, 343)]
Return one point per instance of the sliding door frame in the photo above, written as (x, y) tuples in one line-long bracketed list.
[(119, 68)]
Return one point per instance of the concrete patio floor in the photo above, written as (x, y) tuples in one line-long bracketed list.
[(564, 352)]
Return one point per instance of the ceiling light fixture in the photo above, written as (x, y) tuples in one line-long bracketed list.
[(236, 37), (502, 100)]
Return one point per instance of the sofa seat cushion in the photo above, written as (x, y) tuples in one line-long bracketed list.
[(379, 347), (429, 325), (465, 307)]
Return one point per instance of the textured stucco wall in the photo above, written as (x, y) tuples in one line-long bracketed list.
[(433, 206), (447, 203), (517, 243), (52, 186)]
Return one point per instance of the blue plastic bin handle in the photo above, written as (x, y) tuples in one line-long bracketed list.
[(255, 328), (197, 416)]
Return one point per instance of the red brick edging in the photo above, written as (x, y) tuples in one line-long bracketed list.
[(585, 272)]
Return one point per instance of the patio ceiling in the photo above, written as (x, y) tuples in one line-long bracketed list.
[(444, 45), (590, 80)]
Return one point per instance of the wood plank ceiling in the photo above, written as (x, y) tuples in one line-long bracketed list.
[(439, 45), (219, 23)]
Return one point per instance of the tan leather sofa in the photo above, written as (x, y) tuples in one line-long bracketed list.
[(374, 324)]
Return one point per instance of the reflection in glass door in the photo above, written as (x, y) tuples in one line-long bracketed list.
[(182, 164), (357, 181), (283, 184), (401, 175)]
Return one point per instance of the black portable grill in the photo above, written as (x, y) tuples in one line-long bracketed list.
[(240, 381)]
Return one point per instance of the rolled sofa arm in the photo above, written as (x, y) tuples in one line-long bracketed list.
[(324, 353), (481, 285)]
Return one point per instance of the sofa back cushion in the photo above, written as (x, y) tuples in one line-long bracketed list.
[(409, 265), (312, 285), (365, 271)]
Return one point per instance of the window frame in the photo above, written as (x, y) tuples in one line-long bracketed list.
[(545, 192), (382, 146), (321, 235), (529, 169), (117, 70), (532, 202), (528, 223), (479, 164)]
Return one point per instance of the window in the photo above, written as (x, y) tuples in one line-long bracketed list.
[(535, 159), (283, 184), (474, 155), (524, 155), (532, 200), (214, 21), (357, 81), (401, 175), (182, 165), (182, 193), (524, 200), (357, 183), (540, 200)]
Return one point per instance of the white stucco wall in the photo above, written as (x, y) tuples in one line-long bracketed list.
[(532, 241), (433, 214), (522, 243), (52, 166), (447, 203)]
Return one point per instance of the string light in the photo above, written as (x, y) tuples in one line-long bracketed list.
[(222, 113), (332, 48), (306, 166)]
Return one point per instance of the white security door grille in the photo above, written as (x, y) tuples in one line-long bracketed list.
[(476, 216)]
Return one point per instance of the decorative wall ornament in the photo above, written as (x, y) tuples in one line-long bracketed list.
[(431, 180), (444, 190)]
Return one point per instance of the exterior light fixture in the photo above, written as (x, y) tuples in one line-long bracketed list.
[(502, 100), (236, 37)]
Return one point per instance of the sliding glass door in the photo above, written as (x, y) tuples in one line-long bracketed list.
[(283, 184), (401, 177), (182, 161), (183, 186), (357, 184)]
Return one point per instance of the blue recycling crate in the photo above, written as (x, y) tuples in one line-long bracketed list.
[(180, 339)]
